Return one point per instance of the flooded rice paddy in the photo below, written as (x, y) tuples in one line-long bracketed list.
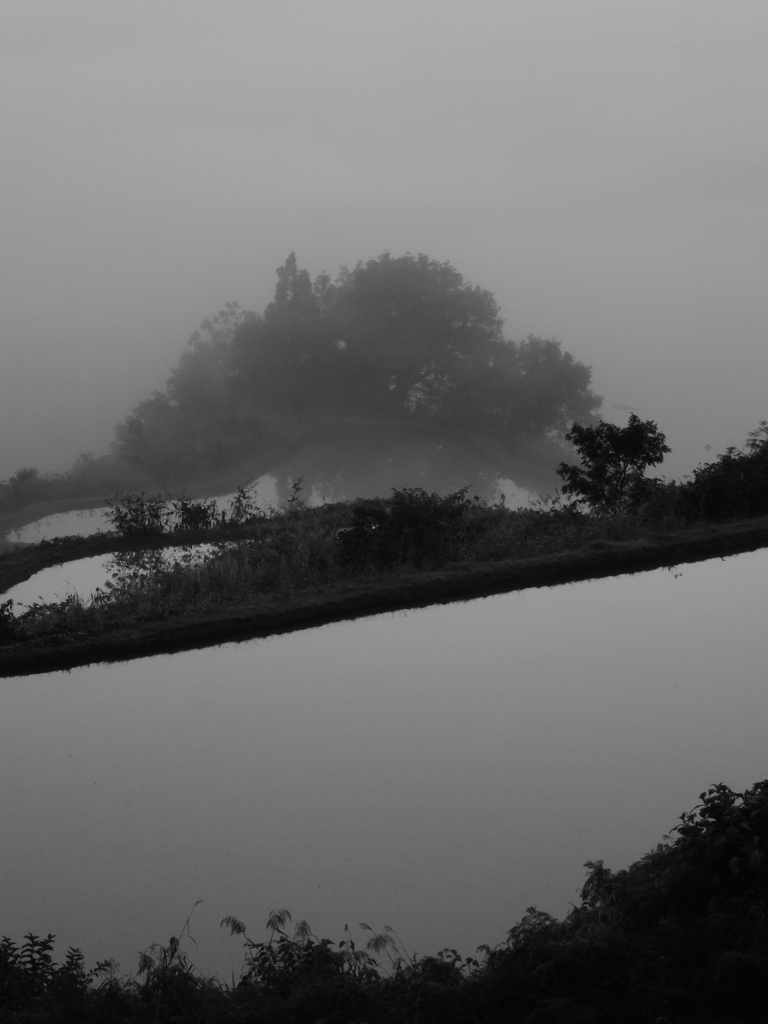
[(85, 522), (438, 771), (85, 576)]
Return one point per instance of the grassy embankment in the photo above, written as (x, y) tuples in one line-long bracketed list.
[(29, 496), (679, 937), (302, 566)]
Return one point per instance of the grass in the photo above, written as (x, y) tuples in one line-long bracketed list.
[(680, 936), (298, 566)]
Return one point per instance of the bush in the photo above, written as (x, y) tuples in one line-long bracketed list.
[(196, 515), (735, 486), (614, 460), (413, 527), (134, 514)]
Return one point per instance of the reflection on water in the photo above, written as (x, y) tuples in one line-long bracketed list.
[(57, 582), (84, 576), (79, 523), (438, 771), (83, 523)]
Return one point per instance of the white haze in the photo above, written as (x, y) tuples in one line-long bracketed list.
[(599, 165)]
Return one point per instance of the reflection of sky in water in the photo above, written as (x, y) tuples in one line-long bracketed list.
[(438, 770), (82, 576), (84, 523), (58, 581)]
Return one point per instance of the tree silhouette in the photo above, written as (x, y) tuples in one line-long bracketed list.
[(614, 460)]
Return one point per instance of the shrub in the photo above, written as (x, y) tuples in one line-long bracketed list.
[(734, 486), (196, 515), (614, 460), (243, 507), (413, 527), (134, 514)]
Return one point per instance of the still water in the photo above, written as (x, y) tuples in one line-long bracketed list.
[(77, 523), (81, 576), (438, 771), (85, 522), (85, 576)]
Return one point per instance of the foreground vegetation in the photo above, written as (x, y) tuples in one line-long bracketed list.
[(263, 572), (678, 937)]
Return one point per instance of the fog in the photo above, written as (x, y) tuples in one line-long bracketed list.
[(598, 166)]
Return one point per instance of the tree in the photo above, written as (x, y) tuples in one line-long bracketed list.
[(190, 425), (614, 460), (404, 338), (198, 385)]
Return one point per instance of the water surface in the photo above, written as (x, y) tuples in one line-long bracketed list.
[(439, 771), (84, 576), (85, 522), (82, 522)]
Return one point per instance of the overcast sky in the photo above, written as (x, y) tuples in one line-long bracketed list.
[(599, 165)]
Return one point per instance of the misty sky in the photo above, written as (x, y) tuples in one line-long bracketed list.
[(599, 165)]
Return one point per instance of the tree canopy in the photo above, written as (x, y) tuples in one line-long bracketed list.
[(402, 338), (614, 461)]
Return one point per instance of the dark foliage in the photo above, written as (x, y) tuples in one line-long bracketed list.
[(411, 527), (733, 487), (136, 514), (614, 460), (28, 974), (679, 936)]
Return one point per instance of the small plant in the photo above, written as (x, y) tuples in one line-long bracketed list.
[(243, 506), (195, 515), (295, 502), (135, 514), (170, 979), (414, 527), (29, 971), (8, 631), (283, 961)]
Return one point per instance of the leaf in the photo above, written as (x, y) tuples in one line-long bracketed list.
[(278, 919), (235, 926)]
